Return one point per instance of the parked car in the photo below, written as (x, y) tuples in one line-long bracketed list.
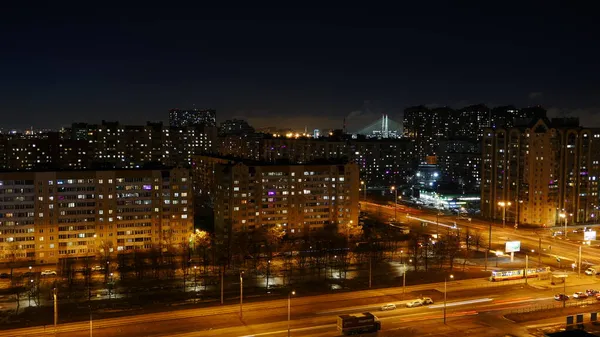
[(591, 292), (4, 275), (580, 295), (419, 302), (27, 274), (561, 297), (49, 272), (598, 296), (390, 306), (590, 271)]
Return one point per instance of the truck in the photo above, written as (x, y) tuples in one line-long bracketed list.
[(356, 324)]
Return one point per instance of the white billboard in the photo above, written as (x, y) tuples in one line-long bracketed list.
[(589, 236), (512, 246)]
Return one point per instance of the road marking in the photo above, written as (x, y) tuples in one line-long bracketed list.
[(292, 330), (454, 304), (359, 308)]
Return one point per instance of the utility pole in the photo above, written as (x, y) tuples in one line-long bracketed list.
[(91, 324), (241, 294), (404, 282), (489, 245), (55, 294), (369, 270), (565, 289), (540, 252), (579, 263), (526, 267), (222, 279)]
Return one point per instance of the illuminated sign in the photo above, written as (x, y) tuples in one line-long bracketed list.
[(589, 236), (512, 246)]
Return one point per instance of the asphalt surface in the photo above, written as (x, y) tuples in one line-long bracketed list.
[(472, 306), (553, 246)]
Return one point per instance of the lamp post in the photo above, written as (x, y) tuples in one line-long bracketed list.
[(364, 187), (195, 280), (504, 205), (566, 218), (395, 202), (445, 292), (290, 309), (579, 263), (110, 286), (404, 280), (241, 294), (54, 296)]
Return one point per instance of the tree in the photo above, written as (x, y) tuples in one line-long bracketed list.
[(15, 257), (273, 236), (106, 249), (414, 249), (201, 241), (452, 246)]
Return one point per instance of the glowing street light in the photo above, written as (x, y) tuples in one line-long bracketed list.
[(393, 188), (504, 205), (445, 292), (289, 308)]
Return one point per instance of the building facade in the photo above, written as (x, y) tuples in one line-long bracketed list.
[(49, 216), (106, 145), (382, 162), (547, 170), (301, 199), (192, 117)]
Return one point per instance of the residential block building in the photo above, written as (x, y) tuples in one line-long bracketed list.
[(547, 170), (299, 198), (49, 216)]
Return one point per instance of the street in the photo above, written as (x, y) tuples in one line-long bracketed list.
[(477, 304), (530, 239)]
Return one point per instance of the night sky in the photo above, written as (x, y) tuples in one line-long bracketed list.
[(291, 67)]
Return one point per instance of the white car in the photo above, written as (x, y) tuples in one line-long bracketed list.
[(49, 272), (386, 307), (419, 302)]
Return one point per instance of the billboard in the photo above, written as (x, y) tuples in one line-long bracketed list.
[(512, 246), (589, 236)]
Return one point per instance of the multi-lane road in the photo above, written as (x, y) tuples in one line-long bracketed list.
[(530, 239), (473, 305)]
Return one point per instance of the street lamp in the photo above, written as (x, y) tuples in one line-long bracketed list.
[(404, 280), (289, 308), (498, 254), (504, 205), (241, 293), (395, 202), (445, 292), (195, 280), (364, 189), (566, 218)]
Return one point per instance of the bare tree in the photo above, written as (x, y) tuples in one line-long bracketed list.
[(201, 241), (452, 246)]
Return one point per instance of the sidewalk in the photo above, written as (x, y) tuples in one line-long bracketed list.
[(572, 280)]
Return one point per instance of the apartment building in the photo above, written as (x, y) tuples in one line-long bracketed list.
[(54, 215), (547, 170), (301, 199)]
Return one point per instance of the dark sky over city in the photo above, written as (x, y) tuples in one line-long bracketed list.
[(291, 67)]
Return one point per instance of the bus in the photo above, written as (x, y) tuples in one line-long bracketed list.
[(516, 274)]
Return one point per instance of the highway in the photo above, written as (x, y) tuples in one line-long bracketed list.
[(565, 249), (472, 304)]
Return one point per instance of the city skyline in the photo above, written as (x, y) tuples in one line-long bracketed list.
[(63, 68)]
